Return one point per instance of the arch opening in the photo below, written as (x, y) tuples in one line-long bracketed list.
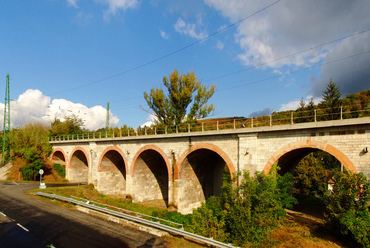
[(78, 168), (202, 174), (150, 178), (112, 174), (58, 158)]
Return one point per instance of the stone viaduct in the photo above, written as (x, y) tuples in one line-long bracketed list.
[(184, 169)]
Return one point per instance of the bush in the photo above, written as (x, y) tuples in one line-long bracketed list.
[(347, 207), (60, 169), (31, 171), (244, 214)]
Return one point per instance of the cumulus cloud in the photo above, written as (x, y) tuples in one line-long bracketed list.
[(164, 35), (192, 30), (72, 3), (291, 26), (115, 5), (220, 45), (33, 106), (293, 105)]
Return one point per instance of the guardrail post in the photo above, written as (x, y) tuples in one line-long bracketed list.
[(292, 119), (270, 120)]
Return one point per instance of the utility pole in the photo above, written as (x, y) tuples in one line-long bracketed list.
[(107, 122), (6, 128)]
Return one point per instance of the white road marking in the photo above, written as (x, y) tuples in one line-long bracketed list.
[(22, 227), (3, 214)]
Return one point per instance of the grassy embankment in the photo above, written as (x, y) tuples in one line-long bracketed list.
[(297, 230)]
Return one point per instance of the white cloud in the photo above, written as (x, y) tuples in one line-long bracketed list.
[(72, 3), (289, 27), (150, 121), (293, 105), (164, 35), (191, 30), (115, 5), (33, 106), (220, 45)]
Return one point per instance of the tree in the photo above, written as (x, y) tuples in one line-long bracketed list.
[(331, 101), (172, 109), (71, 125)]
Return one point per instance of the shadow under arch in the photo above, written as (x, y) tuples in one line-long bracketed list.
[(112, 172), (199, 174), (288, 156), (78, 165), (151, 175), (59, 156)]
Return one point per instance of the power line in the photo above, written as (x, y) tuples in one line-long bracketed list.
[(169, 54)]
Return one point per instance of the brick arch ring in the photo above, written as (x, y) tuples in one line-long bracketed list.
[(59, 150), (207, 146), (113, 148), (310, 144), (79, 148), (157, 149)]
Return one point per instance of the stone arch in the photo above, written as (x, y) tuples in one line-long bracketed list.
[(59, 156), (199, 175), (307, 146), (78, 165), (112, 172), (151, 175), (207, 146)]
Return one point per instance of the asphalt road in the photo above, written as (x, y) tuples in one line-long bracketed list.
[(29, 222)]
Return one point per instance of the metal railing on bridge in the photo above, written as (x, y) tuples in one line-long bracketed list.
[(276, 118)]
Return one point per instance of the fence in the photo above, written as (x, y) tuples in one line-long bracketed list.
[(276, 118)]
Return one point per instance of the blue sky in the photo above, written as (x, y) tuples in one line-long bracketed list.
[(74, 56)]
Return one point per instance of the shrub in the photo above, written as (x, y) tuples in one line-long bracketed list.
[(347, 207), (60, 169)]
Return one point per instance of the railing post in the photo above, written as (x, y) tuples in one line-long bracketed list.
[(315, 115), (341, 112), (155, 130), (177, 130), (120, 132), (202, 126), (270, 120), (292, 119), (189, 128), (145, 130), (100, 135), (217, 125), (252, 122), (234, 123), (165, 129), (128, 132)]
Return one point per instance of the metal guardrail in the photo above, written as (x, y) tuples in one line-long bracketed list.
[(279, 118), (149, 223), (131, 212)]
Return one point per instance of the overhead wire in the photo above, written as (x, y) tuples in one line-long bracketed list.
[(169, 54)]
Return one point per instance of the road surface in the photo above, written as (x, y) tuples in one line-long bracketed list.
[(29, 222)]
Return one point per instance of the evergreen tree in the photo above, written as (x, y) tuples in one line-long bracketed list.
[(331, 101)]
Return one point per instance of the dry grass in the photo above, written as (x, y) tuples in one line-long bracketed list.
[(298, 229)]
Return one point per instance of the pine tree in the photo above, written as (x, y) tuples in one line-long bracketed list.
[(331, 101)]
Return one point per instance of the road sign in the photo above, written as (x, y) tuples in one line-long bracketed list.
[(41, 171)]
